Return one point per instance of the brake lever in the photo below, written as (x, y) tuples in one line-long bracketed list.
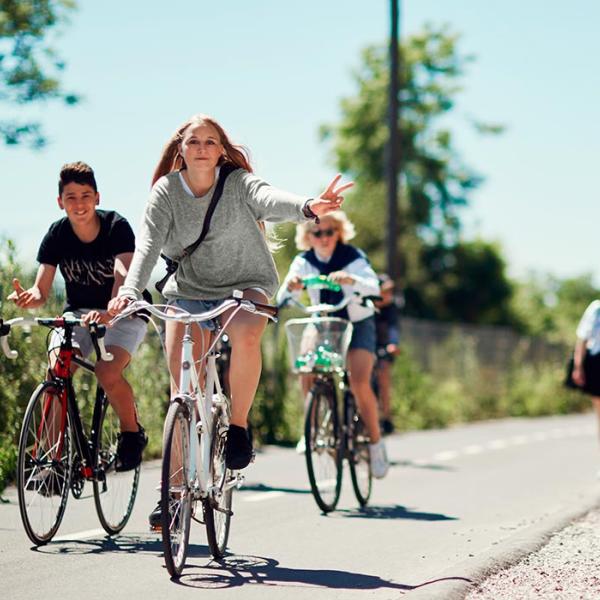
[(97, 333)]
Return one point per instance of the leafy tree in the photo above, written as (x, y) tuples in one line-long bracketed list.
[(28, 64), (435, 183), (465, 282), (435, 180), (552, 307)]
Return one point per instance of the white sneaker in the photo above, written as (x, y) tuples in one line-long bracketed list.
[(301, 446), (379, 460)]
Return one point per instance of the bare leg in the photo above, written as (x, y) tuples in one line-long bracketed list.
[(596, 403), (117, 388), (360, 365), (245, 333)]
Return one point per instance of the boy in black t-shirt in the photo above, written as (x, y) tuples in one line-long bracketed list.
[(93, 249)]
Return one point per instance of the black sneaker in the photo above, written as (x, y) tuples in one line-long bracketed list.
[(48, 482), (130, 447), (387, 426), (154, 518), (238, 452)]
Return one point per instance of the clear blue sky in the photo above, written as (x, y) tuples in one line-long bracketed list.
[(271, 72)]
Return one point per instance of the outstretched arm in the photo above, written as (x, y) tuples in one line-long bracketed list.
[(36, 295)]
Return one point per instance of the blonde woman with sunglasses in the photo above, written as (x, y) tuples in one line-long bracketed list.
[(325, 251)]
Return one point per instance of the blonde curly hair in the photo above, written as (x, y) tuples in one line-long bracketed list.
[(340, 222)]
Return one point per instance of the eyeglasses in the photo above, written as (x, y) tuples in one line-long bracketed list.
[(319, 233)]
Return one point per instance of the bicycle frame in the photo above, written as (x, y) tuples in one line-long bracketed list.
[(201, 403), (60, 381)]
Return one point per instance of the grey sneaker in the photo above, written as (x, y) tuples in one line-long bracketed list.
[(379, 460)]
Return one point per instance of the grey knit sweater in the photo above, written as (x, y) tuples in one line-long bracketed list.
[(234, 253)]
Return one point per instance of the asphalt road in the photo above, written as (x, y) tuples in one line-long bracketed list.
[(455, 502)]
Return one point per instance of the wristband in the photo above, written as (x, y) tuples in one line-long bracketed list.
[(308, 213)]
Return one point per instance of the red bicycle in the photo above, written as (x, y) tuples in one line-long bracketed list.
[(55, 454)]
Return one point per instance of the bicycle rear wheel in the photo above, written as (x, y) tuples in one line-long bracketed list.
[(323, 454), (217, 506), (358, 452), (114, 493), (175, 493), (44, 463)]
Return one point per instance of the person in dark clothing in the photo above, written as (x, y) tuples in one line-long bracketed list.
[(387, 327), (93, 249)]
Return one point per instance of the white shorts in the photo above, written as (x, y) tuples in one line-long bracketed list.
[(127, 334)]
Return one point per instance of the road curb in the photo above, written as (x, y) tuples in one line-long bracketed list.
[(451, 585)]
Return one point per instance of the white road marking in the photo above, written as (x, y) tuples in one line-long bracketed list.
[(80, 535), (515, 440), (519, 440), (474, 449), (445, 455), (264, 496), (497, 444)]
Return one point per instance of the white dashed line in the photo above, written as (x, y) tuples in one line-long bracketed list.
[(445, 455), (80, 535), (471, 450), (264, 496)]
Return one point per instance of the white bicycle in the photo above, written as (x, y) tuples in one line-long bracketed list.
[(194, 437)]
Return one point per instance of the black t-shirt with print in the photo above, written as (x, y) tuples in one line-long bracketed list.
[(87, 268)]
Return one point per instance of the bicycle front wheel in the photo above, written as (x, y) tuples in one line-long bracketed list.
[(176, 493), (323, 453), (358, 455), (217, 506), (44, 463), (114, 493)]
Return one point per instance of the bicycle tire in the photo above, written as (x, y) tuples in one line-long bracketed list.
[(217, 507), (44, 464), (358, 452), (175, 492), (114, 492), (323, 453)]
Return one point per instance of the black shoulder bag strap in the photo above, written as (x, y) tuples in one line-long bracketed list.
[(173, 264)]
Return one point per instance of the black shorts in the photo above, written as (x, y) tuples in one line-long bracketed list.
[(591, 368)]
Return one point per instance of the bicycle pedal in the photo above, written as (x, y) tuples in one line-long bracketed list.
[(155, 528)]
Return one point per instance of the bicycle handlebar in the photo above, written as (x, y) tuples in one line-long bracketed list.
[(97, 332), (182, 316), (319, 282)]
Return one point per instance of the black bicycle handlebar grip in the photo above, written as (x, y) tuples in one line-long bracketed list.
[(97, 333), (4, 329)]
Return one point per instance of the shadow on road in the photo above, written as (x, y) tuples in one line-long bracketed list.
[(389, 512), (237, 571), (420, 465), (261, 487), (122, 544)]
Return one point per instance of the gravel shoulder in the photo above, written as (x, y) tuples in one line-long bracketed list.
[(555, 559), (566, 568)]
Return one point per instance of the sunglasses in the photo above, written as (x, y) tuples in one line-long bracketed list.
[(319, 233)]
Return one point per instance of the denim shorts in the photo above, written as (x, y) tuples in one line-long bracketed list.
[(198, 306), (126, 333), (363, 335)]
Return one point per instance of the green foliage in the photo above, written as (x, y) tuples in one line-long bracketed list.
[(459, 388), (28, 64), (551, 307), (437, 183), (466, 282), (443, 277)]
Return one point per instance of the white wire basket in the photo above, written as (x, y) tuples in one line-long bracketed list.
[(318, 344)]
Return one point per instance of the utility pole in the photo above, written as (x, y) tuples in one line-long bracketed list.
[(393, 153)]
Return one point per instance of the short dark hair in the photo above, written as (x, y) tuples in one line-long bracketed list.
[(77, 172)]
